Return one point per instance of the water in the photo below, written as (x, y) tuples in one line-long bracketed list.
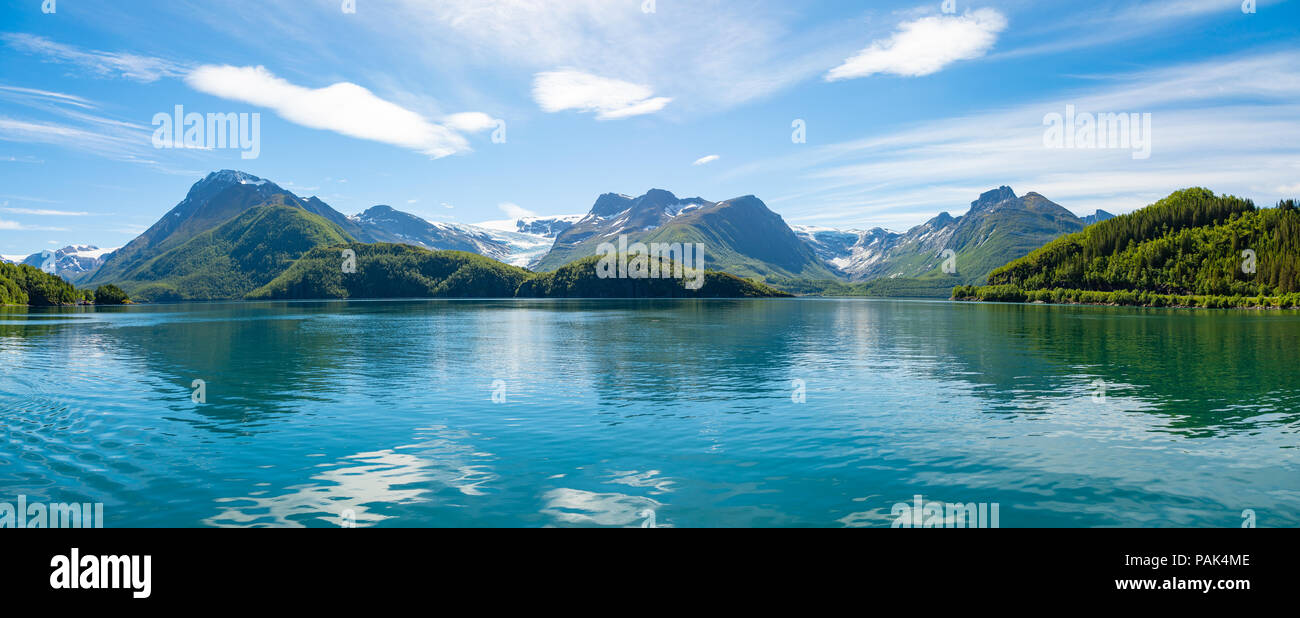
[(382, 413)]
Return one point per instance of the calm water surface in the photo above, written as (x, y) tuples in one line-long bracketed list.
[(612, 408)]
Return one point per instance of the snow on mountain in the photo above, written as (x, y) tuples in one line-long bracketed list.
[(386, 224), (70, 262), (548, 227)]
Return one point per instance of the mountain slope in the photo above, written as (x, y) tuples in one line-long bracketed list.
[(1188, 244), (743, 237), (234, 258)]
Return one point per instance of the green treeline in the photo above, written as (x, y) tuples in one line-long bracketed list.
[(1190, 249), (21, 284)]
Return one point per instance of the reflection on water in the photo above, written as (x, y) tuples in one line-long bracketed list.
[(384, 411), (346, 490)]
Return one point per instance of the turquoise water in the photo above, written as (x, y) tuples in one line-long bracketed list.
[(383, 413)]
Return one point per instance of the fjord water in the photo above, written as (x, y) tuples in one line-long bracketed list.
[(383, 411)]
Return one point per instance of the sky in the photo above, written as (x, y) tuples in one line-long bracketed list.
[(836, 114)]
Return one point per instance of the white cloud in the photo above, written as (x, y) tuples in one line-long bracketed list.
[(557, 91), (706, 160), (343, 108), (926, 46), (106, 64)]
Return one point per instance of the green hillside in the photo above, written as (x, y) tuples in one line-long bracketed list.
[(580, 280), (1186, 249), (233, 259), (393, 271)]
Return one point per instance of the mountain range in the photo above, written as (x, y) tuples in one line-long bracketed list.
[(165, 261), (234, 233), (999, 227)]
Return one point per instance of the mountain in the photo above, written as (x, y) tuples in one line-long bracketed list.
[(612, 215), (1000, 226), (211, 202), (385, 224), (236, 257), (73, 262), (740, 236), (1097, 217), (1192, 249)]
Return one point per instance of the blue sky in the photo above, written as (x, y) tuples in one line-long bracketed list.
[(909, 109)]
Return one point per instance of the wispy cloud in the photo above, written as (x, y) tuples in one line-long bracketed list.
[(557, 91), (706, 160), (101, 63), (344, 108), (926, 45), (15, 226), (709, 54), (43, 212)]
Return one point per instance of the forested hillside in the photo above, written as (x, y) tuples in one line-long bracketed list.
[(393, 271), (1191, 244), (21, 284)]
